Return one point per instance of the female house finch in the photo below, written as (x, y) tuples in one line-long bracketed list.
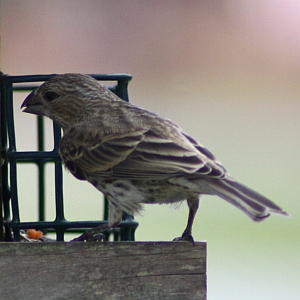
[(134, 156)]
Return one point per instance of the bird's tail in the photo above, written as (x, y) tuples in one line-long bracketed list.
[(256, 206)]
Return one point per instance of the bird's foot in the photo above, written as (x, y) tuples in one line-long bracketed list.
[(185, 238), (92, 235)]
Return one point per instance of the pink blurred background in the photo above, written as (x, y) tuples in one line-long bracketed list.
[(228, 72)]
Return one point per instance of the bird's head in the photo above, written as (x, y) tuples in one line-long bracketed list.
[(66, 98)]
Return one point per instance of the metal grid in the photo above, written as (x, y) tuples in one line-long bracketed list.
[(10, 158)]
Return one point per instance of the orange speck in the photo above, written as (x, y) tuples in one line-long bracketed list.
[(34, 234)]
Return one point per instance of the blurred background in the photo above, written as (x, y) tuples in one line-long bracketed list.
[(227, 71)]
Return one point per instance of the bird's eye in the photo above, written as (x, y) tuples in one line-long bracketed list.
[(50, 96)]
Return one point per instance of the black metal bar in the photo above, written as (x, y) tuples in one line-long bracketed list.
[(122, 91), (68, 225), (1, 162), (5, 191), (12, 148), (44, 77), (10, 117), (59, 202), (41, 170)]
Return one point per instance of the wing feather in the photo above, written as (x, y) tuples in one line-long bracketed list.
[(143, 153)]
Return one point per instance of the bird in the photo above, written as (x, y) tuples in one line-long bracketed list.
[(134, 156)]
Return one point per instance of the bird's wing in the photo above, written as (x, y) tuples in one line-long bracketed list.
[(89, 148), (161, 157), (135, 154)]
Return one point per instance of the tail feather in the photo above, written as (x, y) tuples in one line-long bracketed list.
[(256, 206)]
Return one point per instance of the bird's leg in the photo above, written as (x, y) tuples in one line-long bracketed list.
[(193, 203)]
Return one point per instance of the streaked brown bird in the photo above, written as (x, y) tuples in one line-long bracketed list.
[(134, 156)]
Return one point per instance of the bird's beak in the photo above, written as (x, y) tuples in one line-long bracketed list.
[(33, 105)]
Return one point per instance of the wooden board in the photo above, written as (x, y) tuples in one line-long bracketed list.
[(119, 270)]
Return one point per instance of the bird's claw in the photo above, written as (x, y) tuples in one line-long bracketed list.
[(99, 237), (86, 236), (185, 238)]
